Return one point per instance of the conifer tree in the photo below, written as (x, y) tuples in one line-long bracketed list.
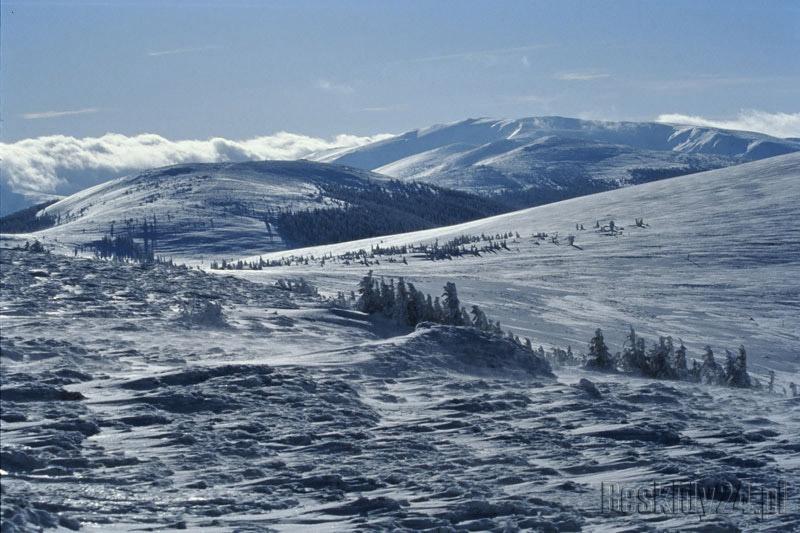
[(599, 358), (400, 312), (710, 373), (452, 306), (479, 319)]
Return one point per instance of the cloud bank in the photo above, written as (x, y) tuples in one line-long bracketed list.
[(775, 124), (58, 164)]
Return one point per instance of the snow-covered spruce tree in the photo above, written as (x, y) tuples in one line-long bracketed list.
[(710, 373), (387, 297), (497, 329), (599, 358), (420, 306), (479, 319), (633, 358), (736, 369), (400, 312), (659, 359), (438, 312), (452, 307), (465, 320), (680, 362), (430, 312), (368, 299)]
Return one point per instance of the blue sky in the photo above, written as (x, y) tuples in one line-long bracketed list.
[(239, 69)]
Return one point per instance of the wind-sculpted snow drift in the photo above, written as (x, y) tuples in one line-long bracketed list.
[(119, 415)]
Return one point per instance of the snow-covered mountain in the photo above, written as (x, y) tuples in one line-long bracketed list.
[(251, 207), (716, 262), (557, 155)]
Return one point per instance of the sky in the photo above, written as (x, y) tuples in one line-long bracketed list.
[(241, 69), (136, 76)]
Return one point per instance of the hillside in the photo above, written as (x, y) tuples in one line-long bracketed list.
[(199, 209), (556, 157), (717, 262)]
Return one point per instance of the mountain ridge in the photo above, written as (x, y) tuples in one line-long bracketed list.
[(487, 155)]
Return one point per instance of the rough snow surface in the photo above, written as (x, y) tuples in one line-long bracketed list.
[(122, 409)]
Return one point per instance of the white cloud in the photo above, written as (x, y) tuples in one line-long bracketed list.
[(581, 76), (61, 164), (333, 87), (478, 54), (775, 124), (158, 53), (56, 114)]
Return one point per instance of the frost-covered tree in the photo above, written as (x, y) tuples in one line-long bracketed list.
[(369, 298), (680, 364), (528, 344), (659, 359), (479, 319), (387, 297), (599, 358), (452, 306), (438, 311), (465, 320), (400, 311), (430, 313), (633, 358), (710, 373), (736, 369)]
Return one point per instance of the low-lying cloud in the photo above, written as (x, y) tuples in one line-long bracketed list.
[(59, 164), (775, 124)]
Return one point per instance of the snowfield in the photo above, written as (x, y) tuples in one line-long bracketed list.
[(164, 397), (717, 263), (128, 405)]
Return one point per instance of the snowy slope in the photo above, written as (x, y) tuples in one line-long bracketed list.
[(487, 154), (201, 208), (123, 409), (718, 263)]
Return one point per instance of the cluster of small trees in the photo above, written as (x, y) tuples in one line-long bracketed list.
[(122, 248), (665, 361), (456, 247), (299, 286), (464, 245), (408, 306), (123, 245), (35, 247)]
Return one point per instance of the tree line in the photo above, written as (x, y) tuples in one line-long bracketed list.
[(381, 208)]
